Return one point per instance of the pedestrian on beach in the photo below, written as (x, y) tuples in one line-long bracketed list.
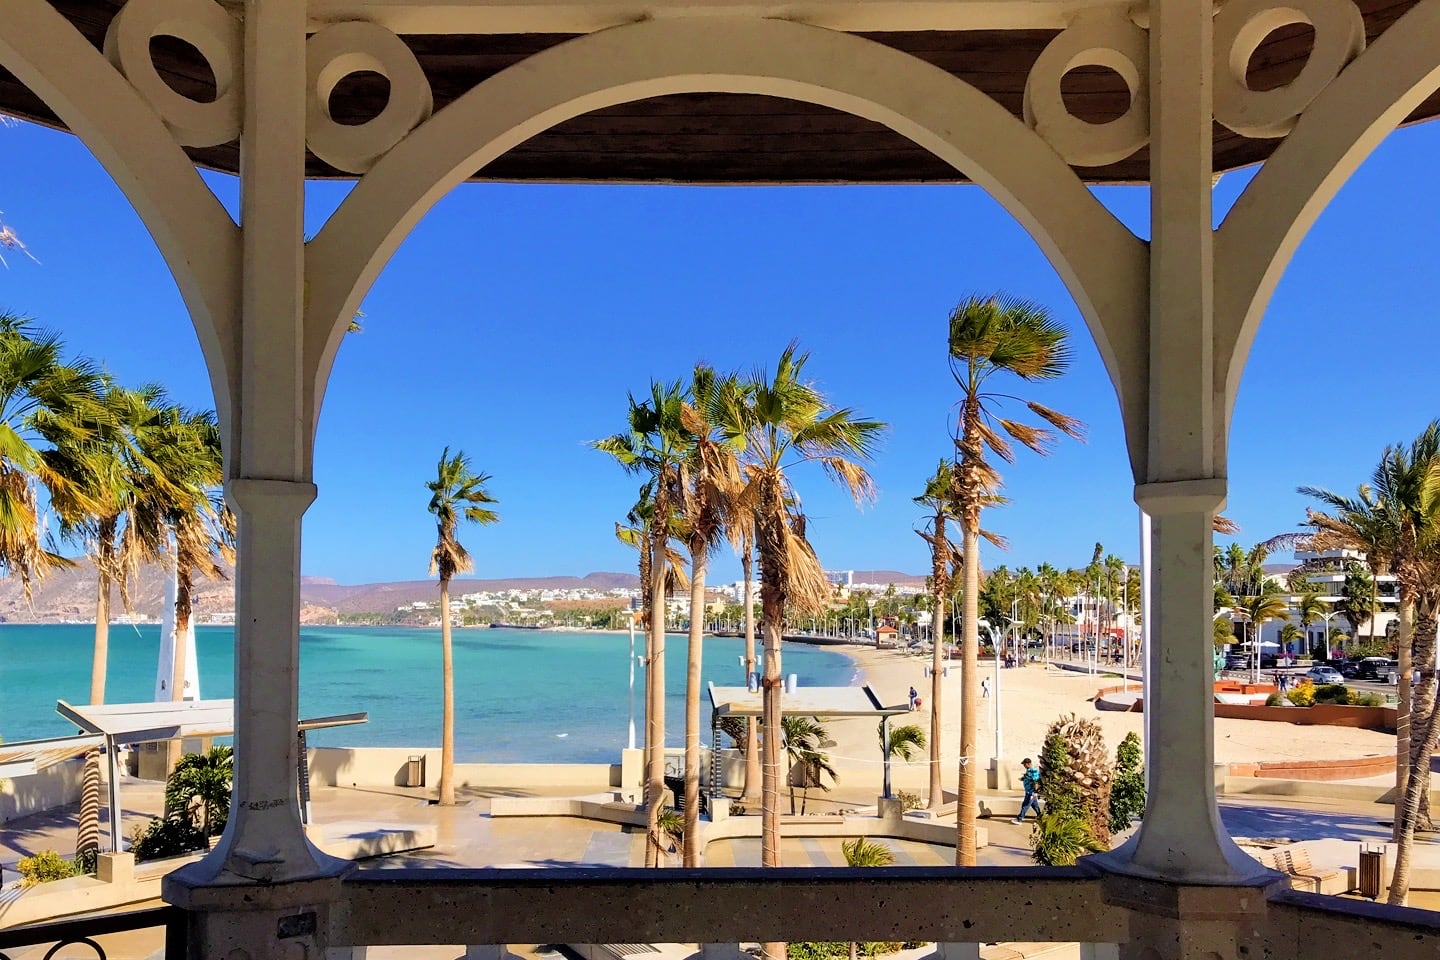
[(984, 686), (1030, 779), (914, 698)]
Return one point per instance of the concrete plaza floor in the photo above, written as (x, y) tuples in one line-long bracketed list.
[(467, 836)]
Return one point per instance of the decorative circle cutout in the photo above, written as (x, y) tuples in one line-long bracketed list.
[(343, 49), (207, 28), (1241, 27), (1104, 40)]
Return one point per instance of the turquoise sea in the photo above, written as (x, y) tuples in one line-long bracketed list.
[(519, 694)]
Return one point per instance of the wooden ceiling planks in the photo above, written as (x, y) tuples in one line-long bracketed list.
[(731, 138)]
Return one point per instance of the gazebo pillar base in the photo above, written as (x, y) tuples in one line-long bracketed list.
[(249, 921)]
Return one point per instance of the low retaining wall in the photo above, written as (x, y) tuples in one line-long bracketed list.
[(1358, 768), (1322, 714), (607, 809), (50, 789), (385, 767)]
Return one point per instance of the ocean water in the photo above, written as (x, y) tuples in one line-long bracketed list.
[(519, 694)]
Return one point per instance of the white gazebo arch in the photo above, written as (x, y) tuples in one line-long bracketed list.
[(1173, 318)]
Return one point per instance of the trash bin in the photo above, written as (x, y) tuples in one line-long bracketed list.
[(1372, 871), (415, 771)]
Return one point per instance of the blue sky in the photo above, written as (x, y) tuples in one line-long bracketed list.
[(514, 320)]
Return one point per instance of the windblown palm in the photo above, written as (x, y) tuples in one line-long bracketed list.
[(42, 400), (653, 446), (992, 337), (805, 742), (98, 501), (1400, 508), (1396, 520), (457, 494), (779, 422), (179, 499), (899, 742), (939, 499), (709, 478)]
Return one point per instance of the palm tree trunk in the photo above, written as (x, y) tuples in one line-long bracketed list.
[(692, 706), (655, 690), (937, 668), (771, 741), (99, 661), (969, 698), (751, 793), (1403, 641), (1409, 813), (87, 832), (447, 715), (174, 749), (1423, 702)]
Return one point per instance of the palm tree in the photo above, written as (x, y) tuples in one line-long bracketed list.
[(805, 738), (1269, 604), (457, 493), (780, 421), (204, 777), (1395, 519), (102, 474), (182, 488), (1308, 609), (1358, 599), (42, 400), (709, 476), (900, 742), (653, 446), (860, 852), (939, 499), (991, 337)]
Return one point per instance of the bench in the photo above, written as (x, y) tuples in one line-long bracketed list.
[(1296, 863)]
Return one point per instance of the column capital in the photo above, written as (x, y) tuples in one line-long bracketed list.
[(253, 493), (1201, 495)]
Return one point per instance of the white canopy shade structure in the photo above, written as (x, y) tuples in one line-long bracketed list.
[(803, 702), (29, 757), (114, 724)]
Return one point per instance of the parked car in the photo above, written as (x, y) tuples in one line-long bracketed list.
[(1375, 668), (1323, 675), (1237, 661)]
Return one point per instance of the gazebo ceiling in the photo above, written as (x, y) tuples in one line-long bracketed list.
[(732, 138)]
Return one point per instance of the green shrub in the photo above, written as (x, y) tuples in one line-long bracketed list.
[(1274, 700), (1332, 693), (45, 866), (170, 837), (908, 801), (1127, 790), (1359, 699), (836, 949), (860, 852), (1303, 695), (1062, 836)]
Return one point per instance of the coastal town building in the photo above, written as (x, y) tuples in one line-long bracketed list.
[(1031, 100)]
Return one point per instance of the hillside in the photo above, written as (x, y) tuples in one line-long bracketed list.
[(70, 594)]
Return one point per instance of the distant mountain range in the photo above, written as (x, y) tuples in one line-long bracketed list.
[(70, 594)]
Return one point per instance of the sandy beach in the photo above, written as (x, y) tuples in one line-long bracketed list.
[(1032, 697)]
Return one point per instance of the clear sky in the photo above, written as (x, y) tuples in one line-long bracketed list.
[(514, 320)]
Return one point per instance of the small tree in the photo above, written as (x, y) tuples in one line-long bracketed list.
[(1127, 791), (201, 782)]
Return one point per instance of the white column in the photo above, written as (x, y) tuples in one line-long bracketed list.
[(264, 839), (1181, 838), (266, 463)]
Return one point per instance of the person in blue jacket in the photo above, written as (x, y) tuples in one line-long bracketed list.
[(1030, 779)]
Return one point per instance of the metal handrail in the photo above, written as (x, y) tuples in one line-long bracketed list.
[(83, 930)]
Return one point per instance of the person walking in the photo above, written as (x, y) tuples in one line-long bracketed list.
[(1030, 779), (984, 687)]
